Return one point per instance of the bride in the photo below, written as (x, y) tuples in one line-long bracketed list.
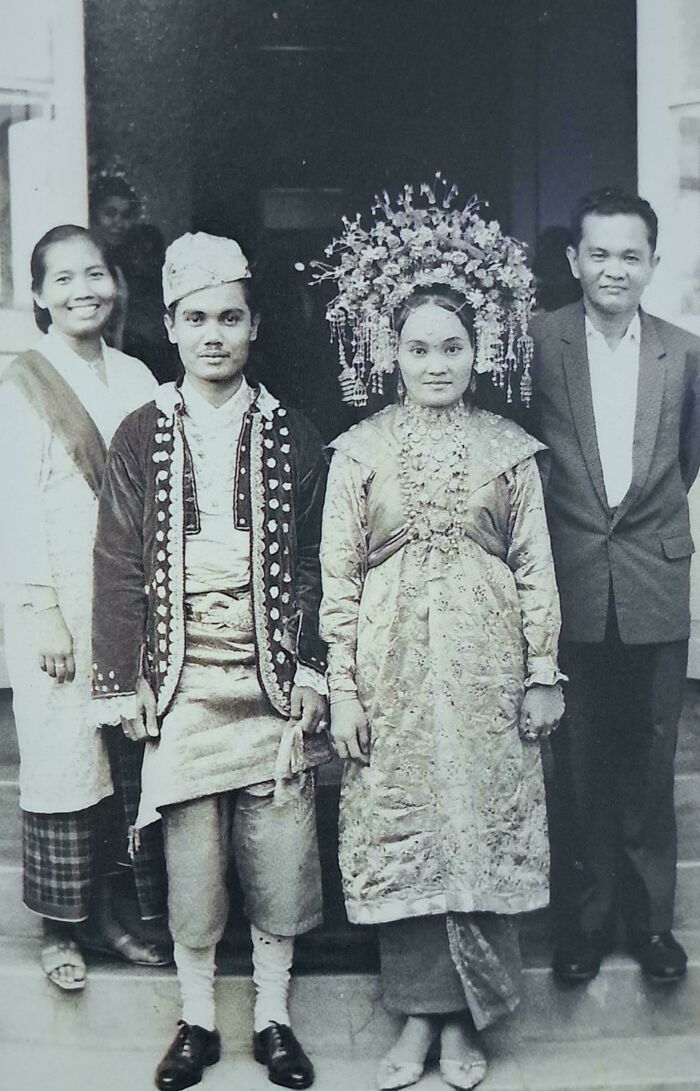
[(441, 613)]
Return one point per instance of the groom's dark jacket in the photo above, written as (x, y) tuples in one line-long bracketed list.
[(148, 506), (644, 546)]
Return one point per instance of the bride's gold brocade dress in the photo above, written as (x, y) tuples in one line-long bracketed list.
[(440, 605)]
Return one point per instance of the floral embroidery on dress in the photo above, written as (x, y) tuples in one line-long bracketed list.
[(437, 642)]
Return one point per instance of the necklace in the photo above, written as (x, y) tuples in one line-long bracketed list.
[(434, 452)]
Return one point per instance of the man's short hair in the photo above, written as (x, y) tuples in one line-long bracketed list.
[(613, 201)]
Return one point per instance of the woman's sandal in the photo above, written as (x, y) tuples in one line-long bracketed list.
[(464, 1074), (129, 949), (59, 953), (392, 1075)]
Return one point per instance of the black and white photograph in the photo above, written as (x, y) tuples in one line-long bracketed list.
[(349, 612)]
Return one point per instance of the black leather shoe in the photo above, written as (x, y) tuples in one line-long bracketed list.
[(660, 955), (193, 1049), (577, 957), (287, 1064)]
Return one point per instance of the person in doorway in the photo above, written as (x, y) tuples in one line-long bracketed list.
[(441, 615), (212, 504), (60, 404), (617, 401), (114, 210)]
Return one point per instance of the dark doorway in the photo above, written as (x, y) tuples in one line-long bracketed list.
[(308, 109), (267, 120)]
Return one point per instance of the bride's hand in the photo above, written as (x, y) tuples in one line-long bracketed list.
[(350, 731), (542, 709)]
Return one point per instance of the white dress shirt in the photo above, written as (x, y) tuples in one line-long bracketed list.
[(218, 558), (614, 379)]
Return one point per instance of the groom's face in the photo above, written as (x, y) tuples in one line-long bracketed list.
[(213, 330)]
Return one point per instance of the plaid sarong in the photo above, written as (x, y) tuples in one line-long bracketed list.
[(63, 854)]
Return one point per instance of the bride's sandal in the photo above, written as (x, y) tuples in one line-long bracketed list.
[(392, 1075), (395, 1071), (463, 1074), (60, 955), (466, 1070)]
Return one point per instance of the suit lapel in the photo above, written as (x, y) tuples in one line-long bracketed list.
[(650, 390), (578, 384)]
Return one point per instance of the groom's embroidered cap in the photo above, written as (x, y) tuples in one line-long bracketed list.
[(200, 261)]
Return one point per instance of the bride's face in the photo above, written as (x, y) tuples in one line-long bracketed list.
[(435, 356)]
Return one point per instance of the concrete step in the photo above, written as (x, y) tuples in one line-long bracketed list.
[(639, 1064), (688, 754), (125, 1007), (687, 796)]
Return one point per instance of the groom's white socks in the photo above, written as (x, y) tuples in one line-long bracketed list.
[(272, 965), (196, 967)]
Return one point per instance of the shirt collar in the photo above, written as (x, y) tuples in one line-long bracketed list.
[(169, 400), (204, 413), (633, 333)]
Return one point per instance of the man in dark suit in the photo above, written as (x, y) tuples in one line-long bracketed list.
[(617, 401)]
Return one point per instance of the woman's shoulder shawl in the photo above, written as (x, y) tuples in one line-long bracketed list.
[(57, 404), (497, 445), (370, 441)]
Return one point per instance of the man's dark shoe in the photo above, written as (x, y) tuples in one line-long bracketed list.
[(577, 957), (660, 955), (192, 1050), (287, 1064)]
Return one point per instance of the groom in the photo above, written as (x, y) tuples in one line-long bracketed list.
[(206, 643)]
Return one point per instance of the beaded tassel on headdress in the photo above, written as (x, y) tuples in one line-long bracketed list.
[(424, 241)]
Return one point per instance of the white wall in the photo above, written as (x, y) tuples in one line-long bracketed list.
[(668, 73), (42, 68), (42, 71)]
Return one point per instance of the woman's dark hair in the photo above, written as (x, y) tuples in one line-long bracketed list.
[(441, 296), (613, 202), (111, 186), (37, 263)]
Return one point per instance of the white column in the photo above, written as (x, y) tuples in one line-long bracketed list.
[(42, 78), (668, 104)]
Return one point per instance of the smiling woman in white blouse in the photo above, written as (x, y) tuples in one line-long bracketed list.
[(60, 404)]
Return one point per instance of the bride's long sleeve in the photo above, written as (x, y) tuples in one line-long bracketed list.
[(530, 558), (343, 569)]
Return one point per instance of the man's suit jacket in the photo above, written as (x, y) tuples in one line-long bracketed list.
[(645, 544)]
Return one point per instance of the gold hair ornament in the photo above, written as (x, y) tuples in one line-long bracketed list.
[(424, 241)]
